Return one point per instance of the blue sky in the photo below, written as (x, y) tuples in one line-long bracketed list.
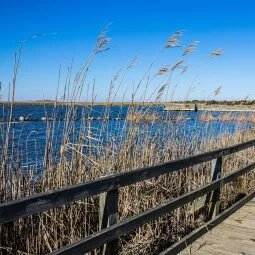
[(137, 27)]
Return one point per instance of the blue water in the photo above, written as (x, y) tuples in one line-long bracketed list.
[(28, 138)]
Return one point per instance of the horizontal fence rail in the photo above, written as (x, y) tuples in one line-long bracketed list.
[(9, 211), (126, 226), (26, 206)]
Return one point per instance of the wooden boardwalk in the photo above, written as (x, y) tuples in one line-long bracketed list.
[(235, 235)]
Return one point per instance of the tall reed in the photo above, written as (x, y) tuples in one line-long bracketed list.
[(76, 153)]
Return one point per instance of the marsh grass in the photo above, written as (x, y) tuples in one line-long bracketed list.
[(229, 117), (79, 153)]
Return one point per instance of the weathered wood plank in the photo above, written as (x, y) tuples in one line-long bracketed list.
[(217, 248), (108, 216), (216, 237), (214, 196), (236, 231), (246, 224), (26, 206), (117, 230), (215, 241), (193, 236)]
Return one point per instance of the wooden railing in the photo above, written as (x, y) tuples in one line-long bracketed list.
[(108, 187)]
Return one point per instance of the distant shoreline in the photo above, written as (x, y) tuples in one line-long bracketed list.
[(81, 103), (240, 103), (173, 106)]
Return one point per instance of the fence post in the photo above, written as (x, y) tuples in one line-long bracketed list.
[(213, 198), (108, 215)]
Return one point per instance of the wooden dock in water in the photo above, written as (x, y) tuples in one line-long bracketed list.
[(235, 235)]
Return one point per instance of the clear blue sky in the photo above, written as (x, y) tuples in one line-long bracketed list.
[(137, 27)]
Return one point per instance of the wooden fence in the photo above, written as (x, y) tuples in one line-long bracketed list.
[(107, 187)]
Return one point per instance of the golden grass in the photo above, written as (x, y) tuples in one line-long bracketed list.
[(229, 116), (42, 233), (206, 117), (141, 117), (86, 153)]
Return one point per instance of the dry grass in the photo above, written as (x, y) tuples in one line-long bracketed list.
[(86, 153), (206, 117), (139, 116), (229, 116)]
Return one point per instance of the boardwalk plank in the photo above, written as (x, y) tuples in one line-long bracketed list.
[(236, 235)]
